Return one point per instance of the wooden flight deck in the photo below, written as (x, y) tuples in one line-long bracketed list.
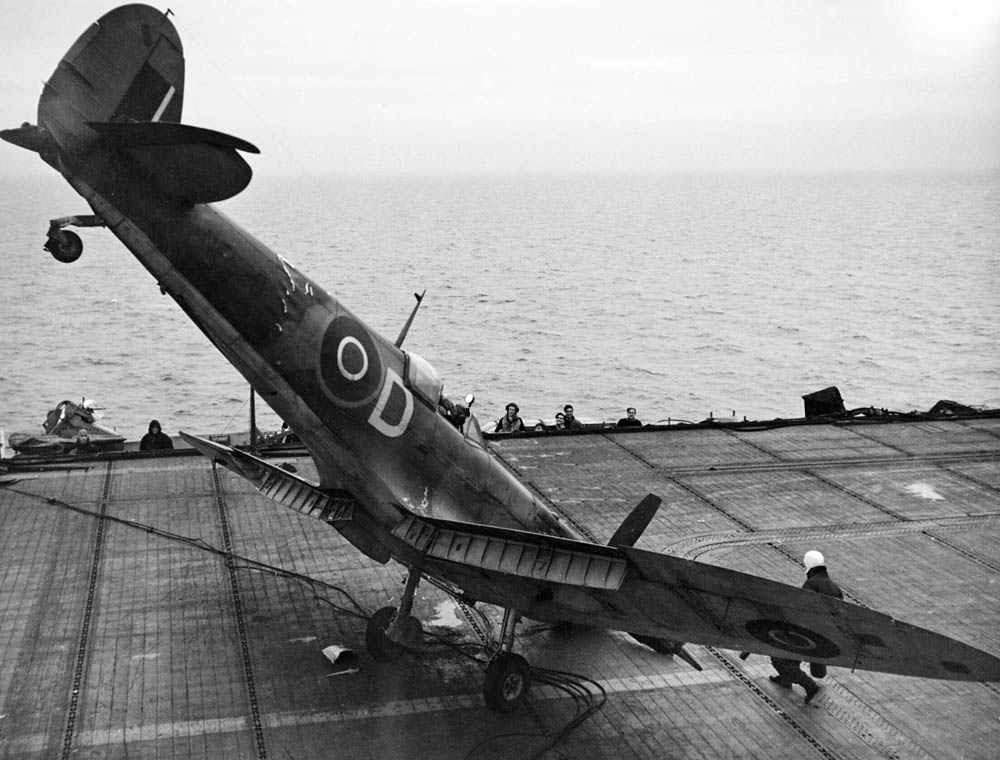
[(159, 607)]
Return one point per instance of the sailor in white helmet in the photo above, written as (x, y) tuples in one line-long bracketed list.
[(789, 671)]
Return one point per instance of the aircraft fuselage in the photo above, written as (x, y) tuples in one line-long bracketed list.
[(367, 410)]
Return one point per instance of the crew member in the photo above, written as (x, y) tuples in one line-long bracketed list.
[(456, 414), (510, 422), (789, 671), (629, 420), (155, 439), (570, 422)]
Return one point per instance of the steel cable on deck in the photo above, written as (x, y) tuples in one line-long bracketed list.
[(249, 564), (587, 701)]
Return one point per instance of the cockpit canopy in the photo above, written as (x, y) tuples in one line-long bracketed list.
[(423, 379)]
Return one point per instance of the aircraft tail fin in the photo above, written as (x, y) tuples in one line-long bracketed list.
[(636, 523), (128, 66), (121, 85)]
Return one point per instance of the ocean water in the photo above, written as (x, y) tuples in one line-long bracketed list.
[(682, 295)]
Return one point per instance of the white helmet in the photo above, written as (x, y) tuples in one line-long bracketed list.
[(813, 559)]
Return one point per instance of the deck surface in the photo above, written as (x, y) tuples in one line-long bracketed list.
[(160, 608)]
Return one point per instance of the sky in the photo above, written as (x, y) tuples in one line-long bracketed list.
[(538, 85)]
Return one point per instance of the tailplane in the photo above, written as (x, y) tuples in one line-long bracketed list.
[(119, 91)]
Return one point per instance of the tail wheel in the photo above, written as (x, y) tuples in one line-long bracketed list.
[(508, 678), (65, 246), (380, 646)]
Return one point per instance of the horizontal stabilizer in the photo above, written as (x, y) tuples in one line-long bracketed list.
[(189, 163), (133, 134), (636, 523)]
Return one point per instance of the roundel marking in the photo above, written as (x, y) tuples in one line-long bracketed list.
[(349, 365), (352, 359), (792, 638)]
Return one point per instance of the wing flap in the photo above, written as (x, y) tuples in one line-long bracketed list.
[(336, 508), (514, 553)]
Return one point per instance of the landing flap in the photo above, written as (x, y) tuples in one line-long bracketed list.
[(336, 508), (514, 553)]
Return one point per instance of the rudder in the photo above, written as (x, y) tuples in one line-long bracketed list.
[(128, 66)]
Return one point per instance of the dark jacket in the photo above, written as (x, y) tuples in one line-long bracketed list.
[(818, 580), (155, 439)]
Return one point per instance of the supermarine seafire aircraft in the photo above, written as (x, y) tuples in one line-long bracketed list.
[(399, 475)]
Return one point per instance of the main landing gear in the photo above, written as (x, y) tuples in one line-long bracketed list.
[(392, 631), (65, 245), (508, 676)]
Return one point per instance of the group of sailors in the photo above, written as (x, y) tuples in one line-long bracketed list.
[(511, 421)]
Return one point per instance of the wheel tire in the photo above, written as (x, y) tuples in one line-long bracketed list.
[(65, 246), (380, 646), (412, 633), (508, 678)]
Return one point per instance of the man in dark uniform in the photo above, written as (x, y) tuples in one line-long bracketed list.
[(629, 420), (789, 671), (570, 422), (155, 439)]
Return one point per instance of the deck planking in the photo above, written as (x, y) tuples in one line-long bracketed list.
[(181, 614)]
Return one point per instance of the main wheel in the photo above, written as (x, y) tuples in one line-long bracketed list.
[(65, 246), (508, 678), (380, 646), (411, 635)]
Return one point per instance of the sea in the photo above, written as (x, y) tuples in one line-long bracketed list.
[(688, 296)]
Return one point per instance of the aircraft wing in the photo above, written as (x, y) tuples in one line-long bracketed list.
[(622, 588), (643, 592)]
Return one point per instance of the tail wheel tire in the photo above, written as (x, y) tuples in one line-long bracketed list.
[(508, 678), (65, 246)]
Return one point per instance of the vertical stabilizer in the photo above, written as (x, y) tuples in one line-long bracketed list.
[(128, 66)]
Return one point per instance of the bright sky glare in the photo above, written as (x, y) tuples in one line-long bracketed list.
[(553, 85)]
